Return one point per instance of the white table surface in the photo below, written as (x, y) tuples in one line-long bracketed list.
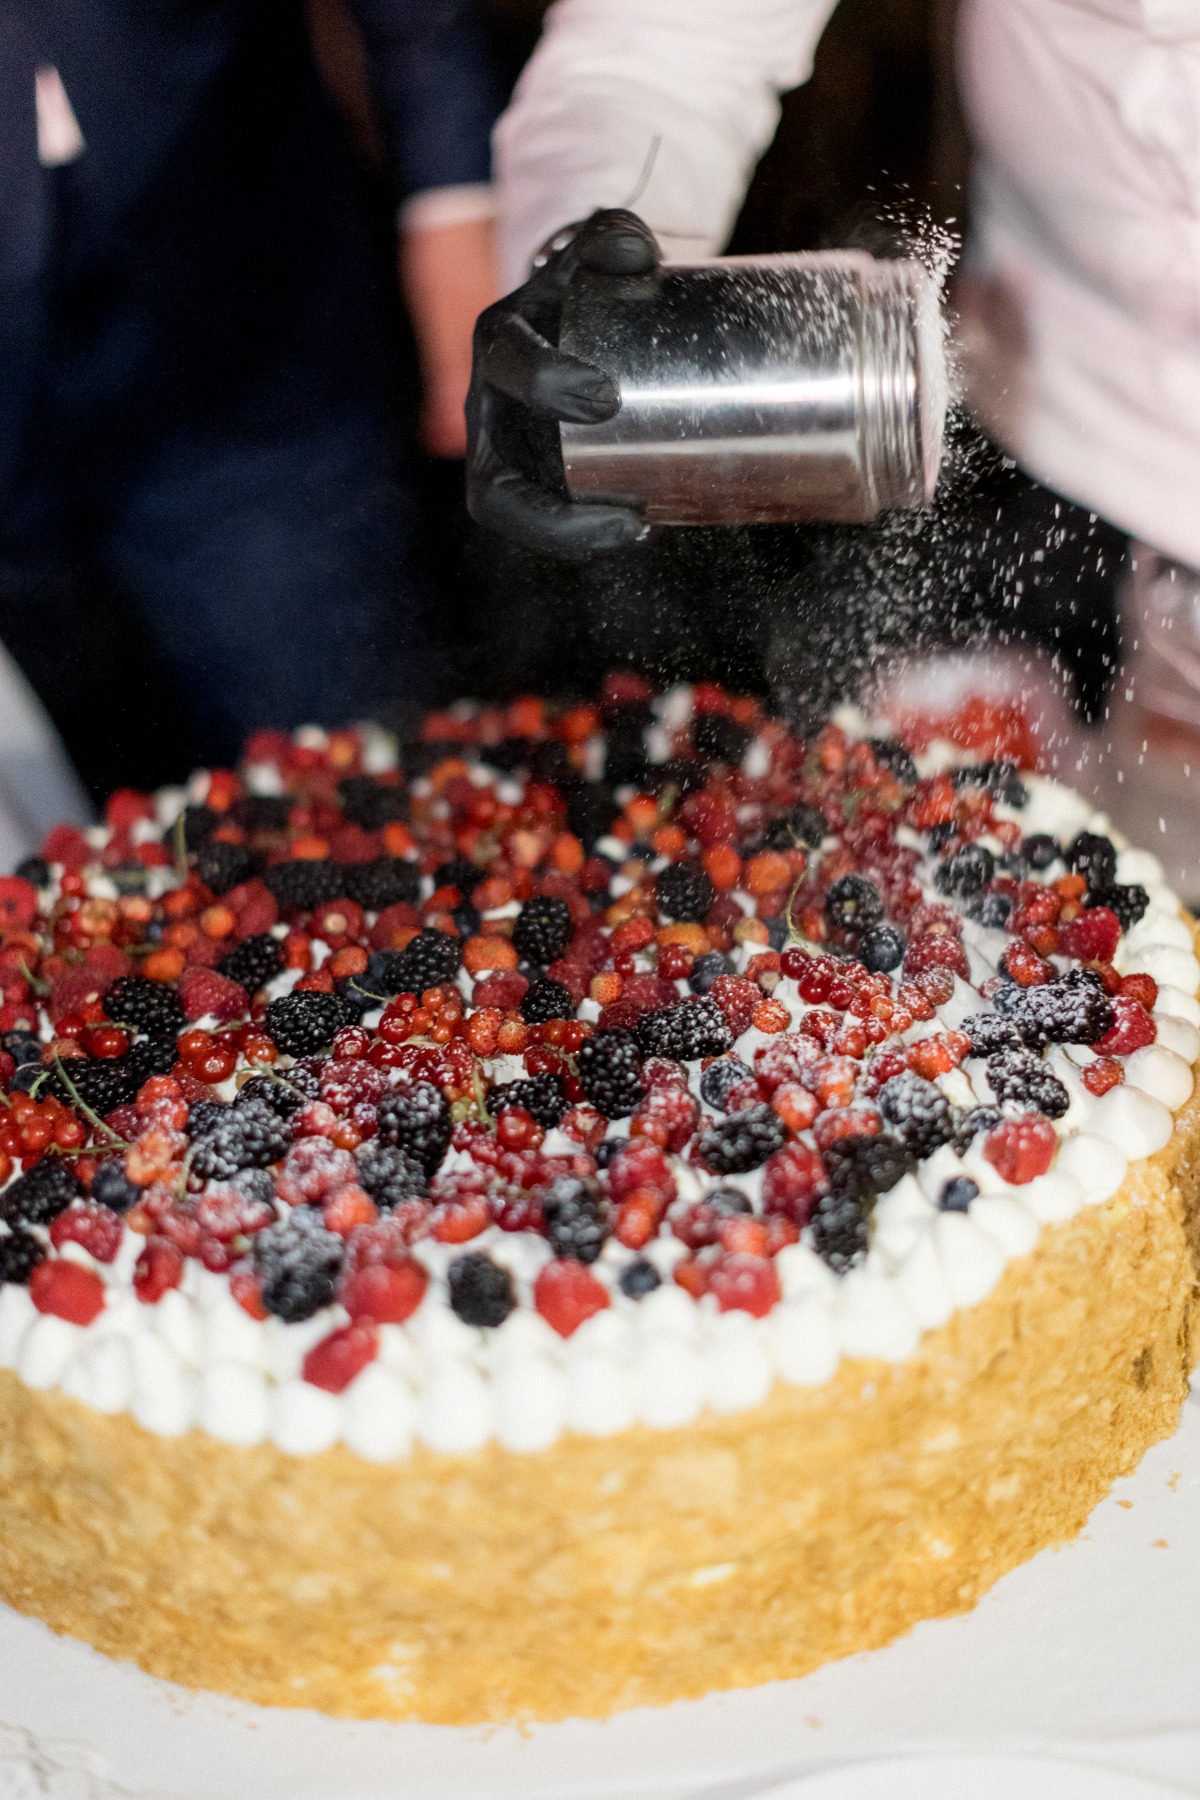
[(1089, 1654)]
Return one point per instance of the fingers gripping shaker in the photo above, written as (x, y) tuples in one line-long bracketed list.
[(759, 389)]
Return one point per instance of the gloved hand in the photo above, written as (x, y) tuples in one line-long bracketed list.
[(522, 385)]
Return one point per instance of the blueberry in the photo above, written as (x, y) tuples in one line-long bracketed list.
[(991, 910), (639, 1279), (881, 949), (966, 873), (706, 969), (1040, 850), (958, 1194)]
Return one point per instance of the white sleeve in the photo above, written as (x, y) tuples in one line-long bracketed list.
[(689, 87)]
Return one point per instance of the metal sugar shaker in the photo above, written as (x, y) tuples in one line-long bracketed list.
[(762, 389)]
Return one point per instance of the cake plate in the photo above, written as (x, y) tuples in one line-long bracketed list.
[(1089, 1654)]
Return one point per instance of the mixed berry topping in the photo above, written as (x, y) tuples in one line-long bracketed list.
[(648, 993)]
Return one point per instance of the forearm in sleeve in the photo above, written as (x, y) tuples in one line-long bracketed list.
[(681, 96)]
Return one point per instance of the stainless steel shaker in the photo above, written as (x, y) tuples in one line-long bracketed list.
[(759, 389)]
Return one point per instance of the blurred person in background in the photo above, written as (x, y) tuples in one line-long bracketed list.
[(206, 519), (1080, 292)]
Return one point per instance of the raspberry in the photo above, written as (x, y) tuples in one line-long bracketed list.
[(1091, 937), (97, 1228), (350, 1082), (793, 1181), (204, 991), (663, 1071), (744, 1283), (333, 1363), (936, 950), (1020, 1149), (737, 999), (67, 1290), (641, 1165), (566, 1293), (347, 1208), (312, 1169), (1133, 1030), (225, 1212), (743, 1141), (159, 1268)]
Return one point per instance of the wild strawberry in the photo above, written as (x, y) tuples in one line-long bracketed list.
[(246, 1288), (744, 1235), (67, 1290), (387, 1293), (348, 1207), (793, 1181), (667, 1117), (1099, 1076), (637, 1218), (566, 1293), (456, 1221), (934, 1056), (1140, 987), (1133, 1030), (337, 1359), (1021, 1148), (744, 1283), (98, 1228), (821, 1025), (159, 1268), (795, 1105)]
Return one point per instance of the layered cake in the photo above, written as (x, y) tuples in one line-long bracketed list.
[(593, 1206)]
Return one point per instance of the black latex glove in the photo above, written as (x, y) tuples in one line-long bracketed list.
[(522, 385)]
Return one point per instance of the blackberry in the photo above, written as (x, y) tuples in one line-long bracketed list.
[(102, 1083), (298, 1262), (253, 1136), (1094, 857), (548, 761), (371, 803), (461, 873), (957, 1195), (684, 1032), (1021, 1077), (206, 1116), (606, 1149), (881, 949), (467, 918), (31, 1079), (853, 904), (389, 1173), (919, 1111), (969, 1124), (149, 1006), (866, 1167), (417, 1118), (194, 824), (576, 1215), (684, 892), (941, 835), (304, 1022), (544, 1000), (20, 1254), (727, 1072), (893, 757), (35, 870), (966, 873), (624, 755), (719, 739), (742, 1141), (149, 1056), (508, 754), (591, 809), (990, 1032), (610, 1064), (256, 961), (1066, 1011), (255, 1184), (301, 885), (23, 1046), (481, 1292), (429, 960), (1000, 779), (543, 929), (223, 866), (112, 1187), (281, 1096), (1126, 899), (261, 813), (803, 825), (385, 881), (639, 1278), (40, 1194), (705, 970), (991, 910), (541, 1095), (1040, 850), (683, 774), (840, 1230)]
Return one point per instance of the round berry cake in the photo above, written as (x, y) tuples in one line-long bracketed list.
[(592, 1206)]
